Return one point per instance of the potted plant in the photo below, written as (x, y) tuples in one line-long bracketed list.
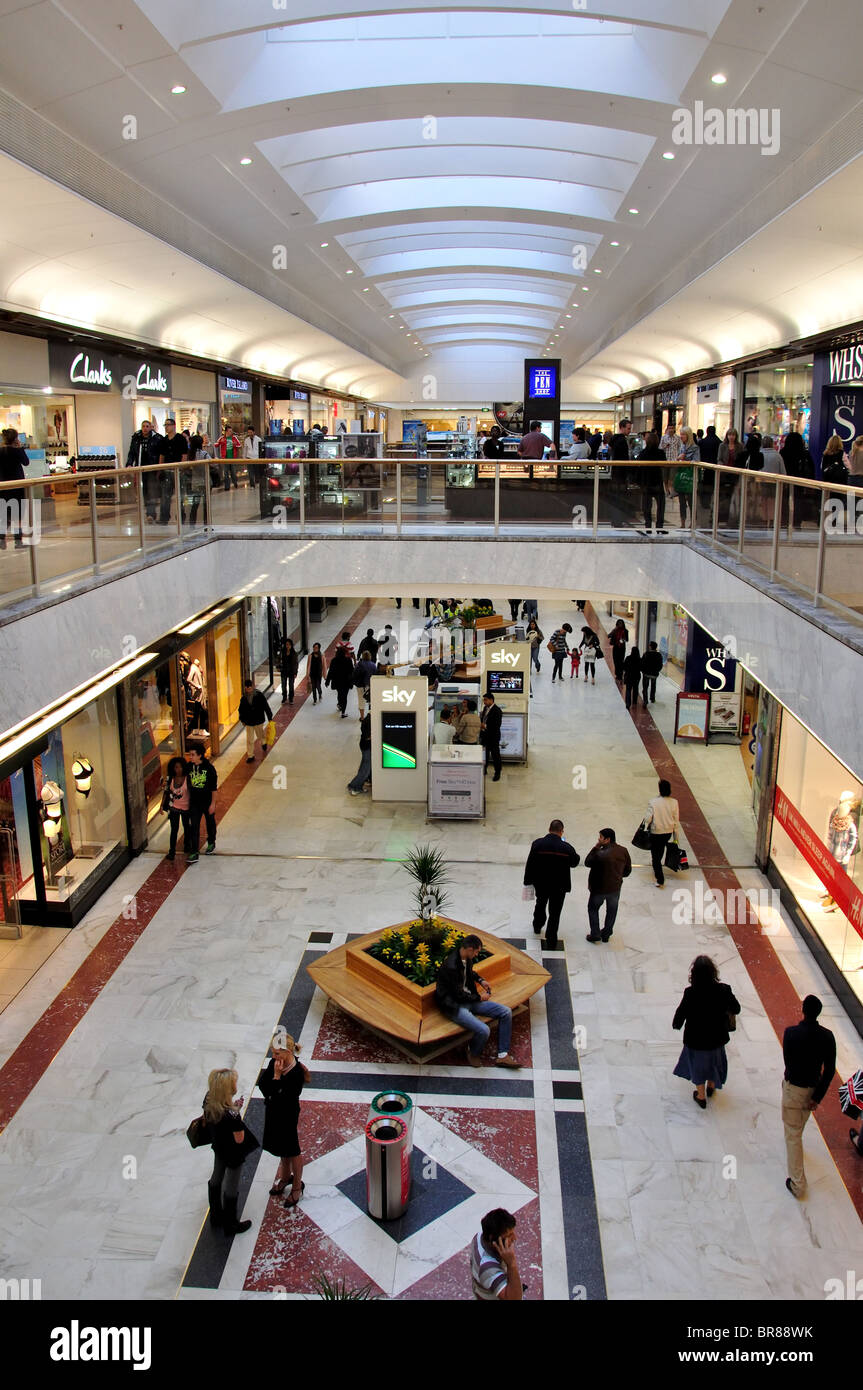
[(428, 869)]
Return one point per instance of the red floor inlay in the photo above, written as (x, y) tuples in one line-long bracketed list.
[(291, 1251), (37, 1050), (507, 1137), (766, 971)]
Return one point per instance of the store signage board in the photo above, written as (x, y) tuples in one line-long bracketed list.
[(76, 368), (456, 788), (692, 717), (845, 367), (706, 392), (839, 885)]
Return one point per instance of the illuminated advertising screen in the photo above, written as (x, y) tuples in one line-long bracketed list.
[(399, 741), (510, 684), (542, 383)]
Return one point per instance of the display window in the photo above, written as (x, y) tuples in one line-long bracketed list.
[(669, 629), (16, 858), (287, 418), (46, 427), (80, 803), (777, 400), (229, 673), (816, 846), (195, 416), (159, 726)]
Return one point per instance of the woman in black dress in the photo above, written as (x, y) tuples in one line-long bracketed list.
[(281, 1082), (706, 1009)]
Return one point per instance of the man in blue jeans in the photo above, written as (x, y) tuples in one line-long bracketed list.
[(462, 995), (609, 865)]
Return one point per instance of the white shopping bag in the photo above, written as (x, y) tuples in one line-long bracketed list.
[(528, 893)]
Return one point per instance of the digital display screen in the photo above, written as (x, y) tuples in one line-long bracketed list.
[(511, 683), (542, 383), (399, 741)]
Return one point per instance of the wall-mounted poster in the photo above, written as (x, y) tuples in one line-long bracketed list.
[(692, 717)]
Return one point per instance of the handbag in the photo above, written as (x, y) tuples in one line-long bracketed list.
[(550, 647), (198, 1133), (641, 838), (166, 797)]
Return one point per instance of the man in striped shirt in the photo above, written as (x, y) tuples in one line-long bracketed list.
[(493, 1267)]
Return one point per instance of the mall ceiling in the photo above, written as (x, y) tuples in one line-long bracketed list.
[(439, 190)]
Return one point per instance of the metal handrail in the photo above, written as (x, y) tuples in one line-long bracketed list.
[(723, 536)]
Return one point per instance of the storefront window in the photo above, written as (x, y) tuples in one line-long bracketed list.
[(229, 673), (670, 631), (816, 844), (16, 859), (287, 417), (191, 415), (46, 427), (79, 787), (194, 692), (159, 731), (235, 405), (263, 616), (778, 399)]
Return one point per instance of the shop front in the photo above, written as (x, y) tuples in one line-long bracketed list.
[(668, 626), (235, 406), (711, 402), (816, 858), (777, 400), (838, 395), (191, 402), (191, 693), (64, 806)]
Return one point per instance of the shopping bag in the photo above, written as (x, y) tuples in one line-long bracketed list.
[(851, 1095), (673, 856), (528, 893), (641, 838), (270, 736)]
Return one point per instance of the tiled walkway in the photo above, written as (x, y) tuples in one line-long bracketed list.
[(100, 1194)]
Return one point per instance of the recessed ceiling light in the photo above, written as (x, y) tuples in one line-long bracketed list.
[(633, 212), (246, 160), (615, 243), (719, 79), (178, 90), (667, 154), (324, 244)]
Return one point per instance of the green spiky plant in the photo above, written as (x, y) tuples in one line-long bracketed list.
[(428, 868), (337, 1290)]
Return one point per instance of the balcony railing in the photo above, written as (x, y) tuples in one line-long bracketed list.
[(805, 534)]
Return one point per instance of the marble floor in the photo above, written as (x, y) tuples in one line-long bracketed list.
[(622, 1187)]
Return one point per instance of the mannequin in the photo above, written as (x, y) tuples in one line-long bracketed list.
[(841, 837)]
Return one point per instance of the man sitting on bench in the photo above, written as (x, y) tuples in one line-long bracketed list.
[(461, 995)]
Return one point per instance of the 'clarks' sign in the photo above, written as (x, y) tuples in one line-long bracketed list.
[(74, 368)]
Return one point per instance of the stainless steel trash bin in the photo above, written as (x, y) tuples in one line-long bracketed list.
[(395, 1103), (388, 1171)]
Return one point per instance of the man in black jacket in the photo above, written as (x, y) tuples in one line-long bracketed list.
[(254, 714), (651, 665), (609, 865), (203, 783), (461, 994), (547, 871), (810, 1065), (144, 450), (492, 718)]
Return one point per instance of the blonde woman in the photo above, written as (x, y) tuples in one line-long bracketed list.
[(856, 462), (682, 480), (281, 1082), (232, 1143)]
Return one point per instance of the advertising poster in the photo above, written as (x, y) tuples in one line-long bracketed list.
[(455, 789), (692, 717), (512, 737), (725, 712)]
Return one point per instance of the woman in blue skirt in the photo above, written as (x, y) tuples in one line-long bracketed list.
[(707, 1008)]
